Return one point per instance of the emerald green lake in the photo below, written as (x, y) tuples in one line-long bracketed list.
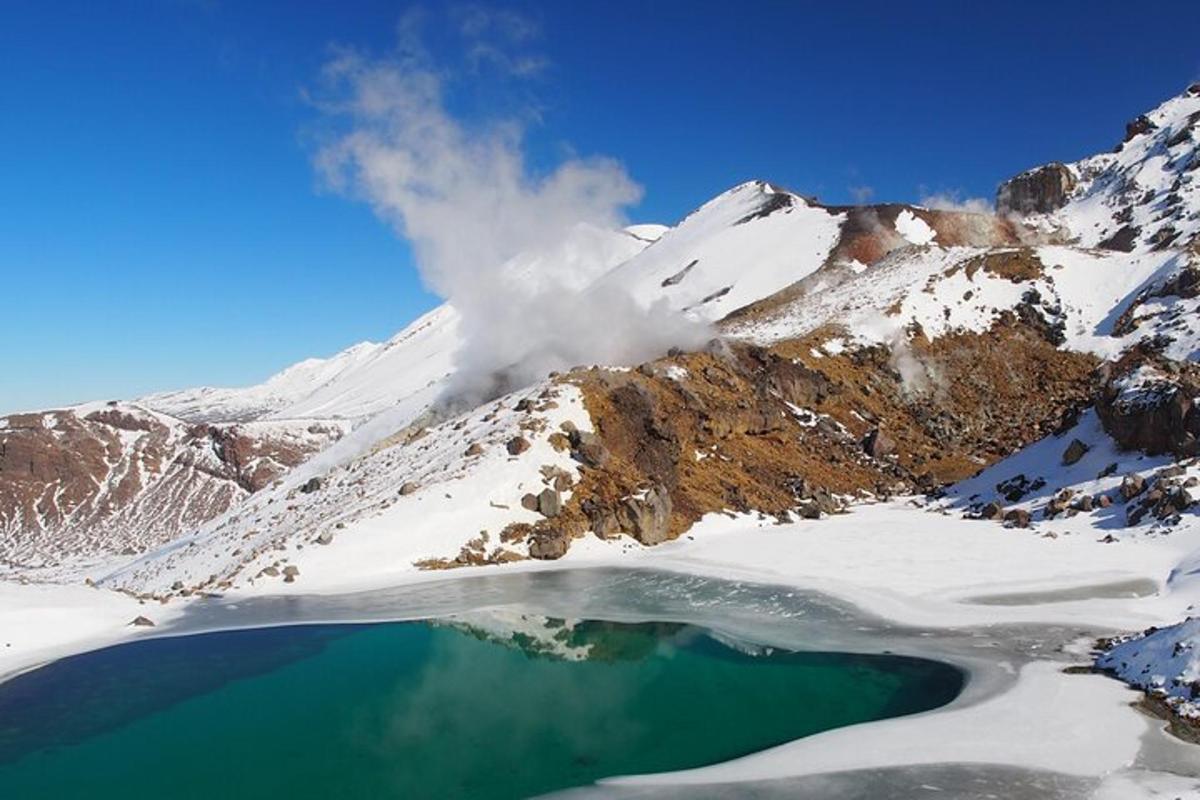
[(426, 710)]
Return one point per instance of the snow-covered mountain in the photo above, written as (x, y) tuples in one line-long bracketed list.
[(776, 266), (82, 485), (408, 371), (987, 360), (353, 384)]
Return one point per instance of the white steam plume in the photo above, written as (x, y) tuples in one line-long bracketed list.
[(917, 376), (473, 212), (954, 201)]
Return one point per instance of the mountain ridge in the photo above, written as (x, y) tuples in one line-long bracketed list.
[(776, 269)]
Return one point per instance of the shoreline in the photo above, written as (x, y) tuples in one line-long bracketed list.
[(906, 583)]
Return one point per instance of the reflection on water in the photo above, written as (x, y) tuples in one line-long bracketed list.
[(486, 704)]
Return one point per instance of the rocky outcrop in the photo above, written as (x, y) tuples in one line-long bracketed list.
[(647, 517), (1137, 126), (1038, 191), (1148, 403), (787, 432)]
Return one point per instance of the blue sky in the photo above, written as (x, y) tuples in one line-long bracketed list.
[(161, 223)]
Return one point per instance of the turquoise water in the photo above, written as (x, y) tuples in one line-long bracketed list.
[(425, 710)]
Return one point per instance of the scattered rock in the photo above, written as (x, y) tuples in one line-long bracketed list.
[(517, 445), (476, 449), (1059, 504), (529, 501), (1132, 485), (1014, 488), (326, 537), (991, 510), (142, 622), (1017, 518), (1103, 500), (878, 444), (549, 544), (588, 449), (311, 485), (408, 487), (290, 572), (549, 503), (647, 518), (809, 510), (1075, 451)]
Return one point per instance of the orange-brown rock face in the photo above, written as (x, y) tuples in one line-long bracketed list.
[(781, 431)]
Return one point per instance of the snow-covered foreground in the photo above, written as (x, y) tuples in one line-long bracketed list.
[(912, 566)]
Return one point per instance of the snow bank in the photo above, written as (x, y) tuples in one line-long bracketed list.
[(42, 622), (1165, 662)]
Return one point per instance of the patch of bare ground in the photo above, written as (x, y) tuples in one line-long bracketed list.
[(783, 431), (1018, 265)]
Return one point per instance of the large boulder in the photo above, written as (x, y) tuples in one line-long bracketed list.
[(1075, 451), (549, 503), (647, 518), (1017, 518), (1148, 406), (1038, 191), (1132, 485), (517, 445), (878, 444), (588, 449), (549, 544)]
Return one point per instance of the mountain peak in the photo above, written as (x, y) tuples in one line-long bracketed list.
[(1143, 196)]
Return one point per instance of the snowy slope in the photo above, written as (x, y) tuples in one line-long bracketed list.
[(739, 247), (408, 370), (1165, 662), (943, 290), (419, 494), (357, 382)]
